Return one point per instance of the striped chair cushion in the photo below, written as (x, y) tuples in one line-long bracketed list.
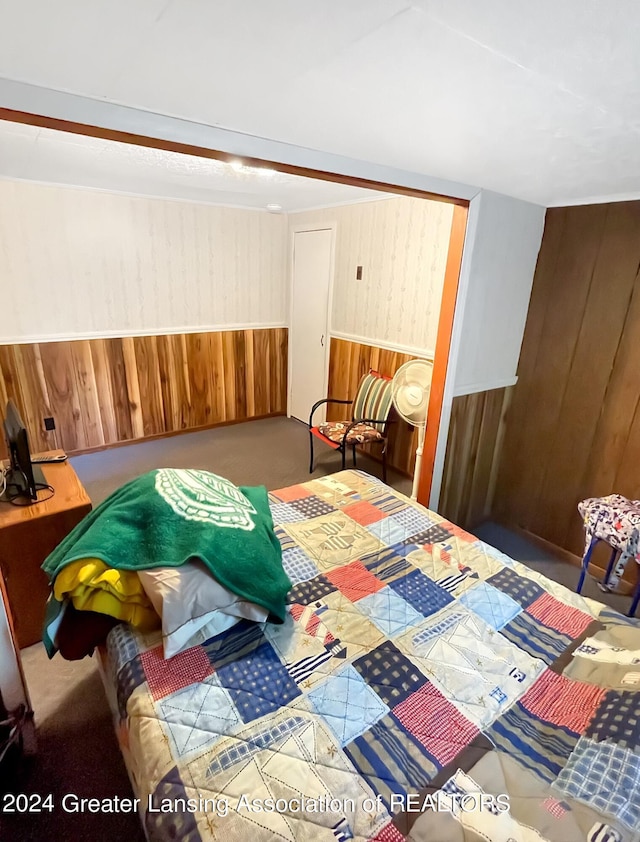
[(373, 399)]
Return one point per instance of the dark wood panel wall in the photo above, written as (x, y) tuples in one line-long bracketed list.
[(573, 428), (348, 361), (474, 443), (107, 391)]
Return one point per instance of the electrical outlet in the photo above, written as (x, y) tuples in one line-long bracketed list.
[(49, 424)]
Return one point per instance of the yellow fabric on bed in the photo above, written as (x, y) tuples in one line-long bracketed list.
[(92, 586)]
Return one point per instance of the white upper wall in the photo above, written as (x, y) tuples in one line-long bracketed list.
[(500, 257), (500, 252), (81, 263), (402, 246), (479, 279)]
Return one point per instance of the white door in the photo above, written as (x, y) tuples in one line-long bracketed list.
[(308, 334)]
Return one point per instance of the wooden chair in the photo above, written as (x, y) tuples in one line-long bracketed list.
[(369, 422)]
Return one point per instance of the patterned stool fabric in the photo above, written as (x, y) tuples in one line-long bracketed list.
[(616, 521), (361, 433)]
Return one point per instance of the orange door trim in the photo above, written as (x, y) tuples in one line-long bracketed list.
[(443, 346)]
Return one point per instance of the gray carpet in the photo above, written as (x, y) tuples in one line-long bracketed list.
[(273, 452), (78, 752)]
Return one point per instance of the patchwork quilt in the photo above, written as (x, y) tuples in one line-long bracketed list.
[(424, 686)]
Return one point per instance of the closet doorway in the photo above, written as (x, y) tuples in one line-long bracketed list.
[(311, 276)]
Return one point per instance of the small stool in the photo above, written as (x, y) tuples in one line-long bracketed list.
[(616, 521)]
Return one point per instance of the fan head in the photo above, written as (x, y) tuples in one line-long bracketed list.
[(410, 391)]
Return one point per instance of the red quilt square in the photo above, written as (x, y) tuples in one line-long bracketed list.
[(363, 512), (436, 723), (558, 616), (555, 807), (389, 833), (563, 701), (292, 492), (354, 581), (185, 668)]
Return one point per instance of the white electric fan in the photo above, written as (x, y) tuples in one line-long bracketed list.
[(410, 394)]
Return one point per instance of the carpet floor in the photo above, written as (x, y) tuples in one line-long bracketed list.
[(77, 749)]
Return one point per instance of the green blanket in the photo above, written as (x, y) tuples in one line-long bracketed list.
[(170, 516)]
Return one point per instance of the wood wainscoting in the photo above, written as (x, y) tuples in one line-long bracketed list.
[(472, 457), (106, 391), (348, 362)]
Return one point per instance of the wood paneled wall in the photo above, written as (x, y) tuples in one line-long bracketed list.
[(348, 361), (573, 429), (105, 391), (473, 448)]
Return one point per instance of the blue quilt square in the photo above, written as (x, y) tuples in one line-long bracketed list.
[(198, 716), (385, 500), (258, 683), (538, 745), (611, 617), (523, 590), (606, 777), (286, 541), (434, 534), (177, 824), (413, 520), (495, 607), (387, 564), (284, 513), (347, 704), (122, 646), (389, 612), (131, 675), (304, 593), (404, 550), (617, 719), (312, 506), (388, 531), (534, 638), (390, 673), (391, 760), (422, 593), (233, 643), (298, 566)]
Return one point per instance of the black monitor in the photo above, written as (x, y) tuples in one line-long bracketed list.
[(20, 481)]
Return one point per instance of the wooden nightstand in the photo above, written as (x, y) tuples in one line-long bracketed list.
[(27, 535)]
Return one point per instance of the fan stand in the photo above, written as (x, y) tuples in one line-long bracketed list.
[(416, 473), (410, 395)]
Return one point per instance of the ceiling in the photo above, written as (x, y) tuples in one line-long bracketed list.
[(44, 155), (536, 100)]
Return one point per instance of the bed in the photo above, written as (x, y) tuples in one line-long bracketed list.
[(423, 686)]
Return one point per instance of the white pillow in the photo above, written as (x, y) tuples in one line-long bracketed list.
[(193, 605)]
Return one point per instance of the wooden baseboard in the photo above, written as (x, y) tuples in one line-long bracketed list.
[(624, 588), (173, 433)]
